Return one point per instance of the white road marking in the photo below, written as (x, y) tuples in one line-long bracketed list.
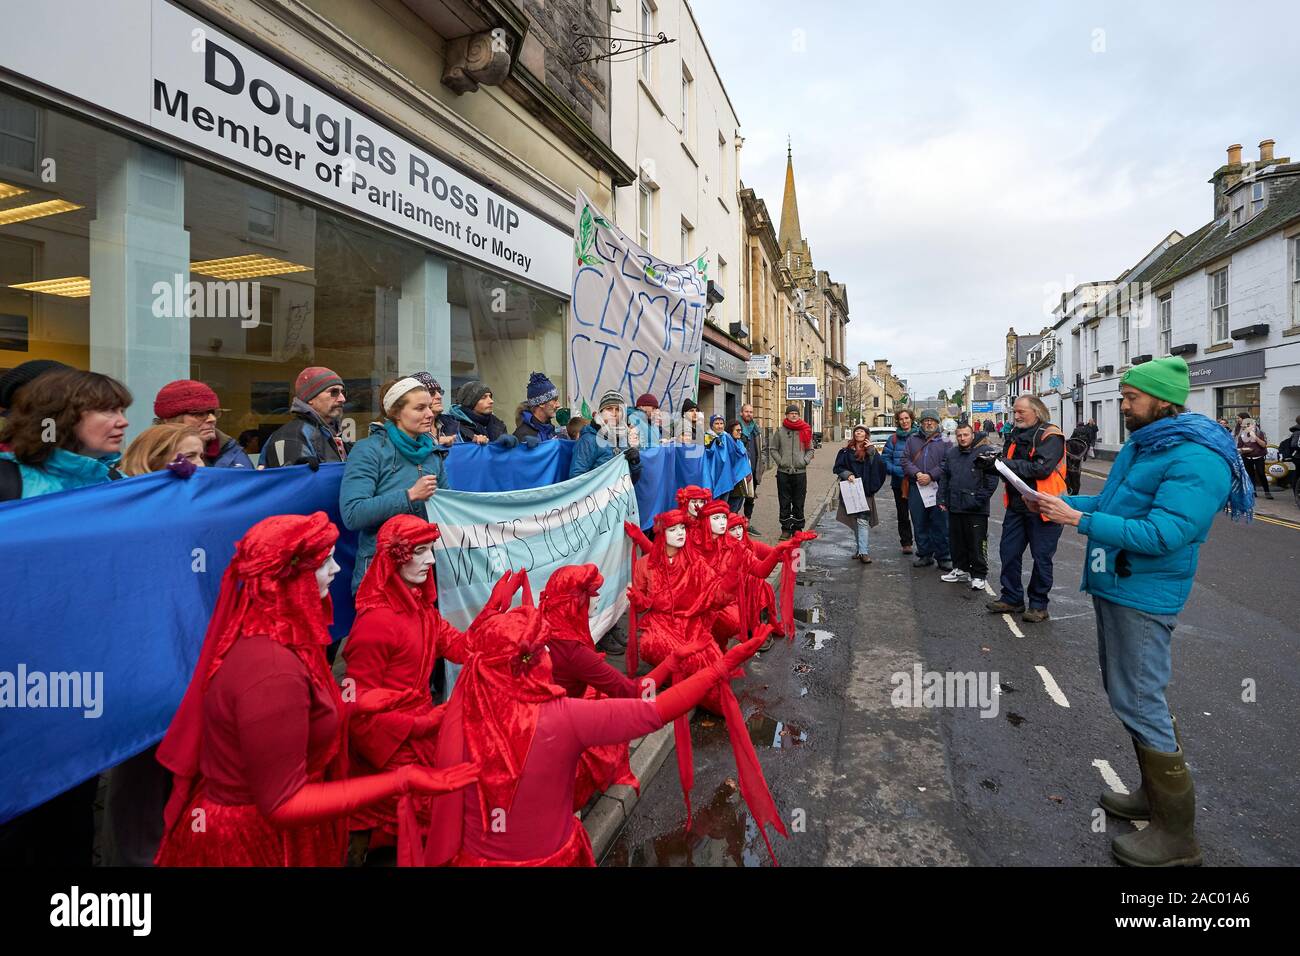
[(1113, 781), (1110, 776), (989, 588), (1053, 689), (1012, 624)]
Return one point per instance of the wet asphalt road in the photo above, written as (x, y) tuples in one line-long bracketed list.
[(860, 781)]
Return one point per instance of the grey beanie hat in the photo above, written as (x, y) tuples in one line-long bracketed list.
[(471, 393), (611, 397), (929, 413)]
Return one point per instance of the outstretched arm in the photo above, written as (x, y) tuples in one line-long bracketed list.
[(638, 536)]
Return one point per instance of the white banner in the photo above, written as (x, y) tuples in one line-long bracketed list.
[(636, 324)]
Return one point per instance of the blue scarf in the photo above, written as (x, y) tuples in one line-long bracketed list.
[(545, 430), (414, 450), (1189, 426), (748, 428)]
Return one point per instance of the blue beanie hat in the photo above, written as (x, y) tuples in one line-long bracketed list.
[(540, 390)]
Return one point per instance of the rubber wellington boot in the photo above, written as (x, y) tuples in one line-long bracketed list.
[(1170, 838), (1128, 806), (1134, 806)]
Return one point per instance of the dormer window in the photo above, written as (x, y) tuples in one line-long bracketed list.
[(1256, 199), (1238, 208)]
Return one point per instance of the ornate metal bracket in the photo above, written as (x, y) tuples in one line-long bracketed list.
[(591, 47)]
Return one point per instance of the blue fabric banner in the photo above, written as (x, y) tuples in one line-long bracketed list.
[(108, 590), (107, 596)]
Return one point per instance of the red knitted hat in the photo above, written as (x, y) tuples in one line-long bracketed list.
[(185, 395), (314, 380)]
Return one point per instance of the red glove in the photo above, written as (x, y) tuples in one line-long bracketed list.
[(660, 675), (681, 697), (315, 802), (639, 599)]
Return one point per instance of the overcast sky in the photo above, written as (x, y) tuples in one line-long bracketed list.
[(959, 164)]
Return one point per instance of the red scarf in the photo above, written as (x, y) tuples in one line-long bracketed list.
[(803, 428)]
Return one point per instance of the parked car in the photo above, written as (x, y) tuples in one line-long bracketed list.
[(880, 434)]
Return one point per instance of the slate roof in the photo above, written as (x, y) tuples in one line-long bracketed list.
[(1214, 241)]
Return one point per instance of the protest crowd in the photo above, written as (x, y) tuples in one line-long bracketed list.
[(409, 739)]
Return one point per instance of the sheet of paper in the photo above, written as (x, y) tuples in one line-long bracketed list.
[(855, 500), (929, 493), (1016, 482)]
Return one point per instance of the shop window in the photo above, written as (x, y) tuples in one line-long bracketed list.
[(19, 134), (1231, 401), (500, 332)]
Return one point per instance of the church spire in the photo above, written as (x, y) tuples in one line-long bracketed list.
[(790, 233)]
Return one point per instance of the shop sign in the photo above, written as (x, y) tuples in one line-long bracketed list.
[(159, 66), (1228, 368), (799, 389), (759, 366)]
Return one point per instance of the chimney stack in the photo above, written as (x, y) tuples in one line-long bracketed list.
[(1234, 154), (1227, 176), (1266, 151)]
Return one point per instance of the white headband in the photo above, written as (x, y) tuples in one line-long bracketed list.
[(400, 388)]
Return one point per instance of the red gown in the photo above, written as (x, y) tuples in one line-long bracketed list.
[(262, 717)]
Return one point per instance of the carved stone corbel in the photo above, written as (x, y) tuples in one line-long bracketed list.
[(477, 59)]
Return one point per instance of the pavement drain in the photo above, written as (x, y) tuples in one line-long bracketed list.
[(1016, 719), (816, 640)]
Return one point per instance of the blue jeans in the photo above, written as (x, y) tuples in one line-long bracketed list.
[(1133, 648), (930, 525), (861, 533), (1018, 529)]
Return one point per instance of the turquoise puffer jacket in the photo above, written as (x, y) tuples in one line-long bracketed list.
[(1151, 517)]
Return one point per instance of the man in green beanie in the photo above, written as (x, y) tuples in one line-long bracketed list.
[(1174, 474)]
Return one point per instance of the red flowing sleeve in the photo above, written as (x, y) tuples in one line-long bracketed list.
[(584, 664), (272, 716), (597, 722), (375, 733)]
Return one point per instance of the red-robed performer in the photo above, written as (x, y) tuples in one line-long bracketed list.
[(759, 596), (673, 598), (743, 575), (258, 747), (576, 665), (691, 500), (507, 715), (397, 638)]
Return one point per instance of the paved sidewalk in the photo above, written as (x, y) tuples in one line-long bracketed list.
[(1281, 508)]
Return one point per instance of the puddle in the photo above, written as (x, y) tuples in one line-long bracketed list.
[(1006, 688), (816, 640), (1016, 719), (989, 785), (723, 834), (803, 691), (767, 731), (808, 615)]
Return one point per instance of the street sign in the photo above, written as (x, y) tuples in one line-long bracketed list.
[(984, 407), (759, 366), (801, 389)]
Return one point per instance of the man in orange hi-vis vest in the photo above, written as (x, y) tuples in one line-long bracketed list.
[(1035, 451)]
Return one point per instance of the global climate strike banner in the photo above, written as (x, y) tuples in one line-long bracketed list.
[(578, 521), (635, 323)]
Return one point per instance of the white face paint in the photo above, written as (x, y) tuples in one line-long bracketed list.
[(325, 573), (694, 505), (718, 523), (737, 532), (675, 536), (416, 571)]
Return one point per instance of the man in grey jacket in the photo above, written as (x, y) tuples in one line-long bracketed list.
[(792, 452)]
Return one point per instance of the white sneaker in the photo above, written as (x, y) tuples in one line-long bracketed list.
[(955, 576), (977, 584)]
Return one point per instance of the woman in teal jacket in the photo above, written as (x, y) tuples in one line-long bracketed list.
[(393, 471)]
